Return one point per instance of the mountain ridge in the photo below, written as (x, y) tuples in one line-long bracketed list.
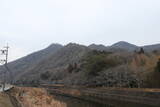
[(124, 46), (56, 58)]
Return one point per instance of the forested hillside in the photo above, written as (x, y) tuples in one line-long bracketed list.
[(120, 65)]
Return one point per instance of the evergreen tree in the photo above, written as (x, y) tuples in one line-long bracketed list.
[(141, 51), (75, 65), (158, 65), (70, 68)]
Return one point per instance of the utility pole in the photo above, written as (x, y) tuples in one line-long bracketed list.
[(4, 62)]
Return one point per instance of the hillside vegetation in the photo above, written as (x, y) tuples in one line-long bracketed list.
[(117, 70), (119, 65)]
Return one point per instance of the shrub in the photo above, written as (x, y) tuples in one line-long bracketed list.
[(158, 66), (141, 51), (45, 75), (98, 61), (70, 68), (121, 76)]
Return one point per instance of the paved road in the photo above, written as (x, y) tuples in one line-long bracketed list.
[(7, 87)]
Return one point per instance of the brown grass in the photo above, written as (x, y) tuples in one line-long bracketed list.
[(35, 97), (5, 100)]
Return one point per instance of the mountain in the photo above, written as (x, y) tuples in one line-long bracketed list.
[(117, 47), (155, 47), (98, 47), (124, 45), (29, 61), (56, 63), (131, 47)]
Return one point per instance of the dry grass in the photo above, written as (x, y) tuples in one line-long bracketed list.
[(36, 97), (5, 100)]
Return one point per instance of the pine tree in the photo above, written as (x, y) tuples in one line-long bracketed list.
[(141, 51), (70, 68), (158, 65)]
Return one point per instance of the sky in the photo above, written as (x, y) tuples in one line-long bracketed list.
[(31, 25)]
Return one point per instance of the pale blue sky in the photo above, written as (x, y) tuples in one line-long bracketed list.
[(30, 25)]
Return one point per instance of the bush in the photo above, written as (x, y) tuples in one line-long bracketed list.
[(158, 66), (121, 76), (141, 51), (152, 80), (45, 76), (70, 68), (73, 68), (98, 61)]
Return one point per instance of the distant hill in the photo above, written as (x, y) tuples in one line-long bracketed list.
[(119, 46), (56, 62), (25, 63), (98, 47), (124, 45), (155, 47)]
